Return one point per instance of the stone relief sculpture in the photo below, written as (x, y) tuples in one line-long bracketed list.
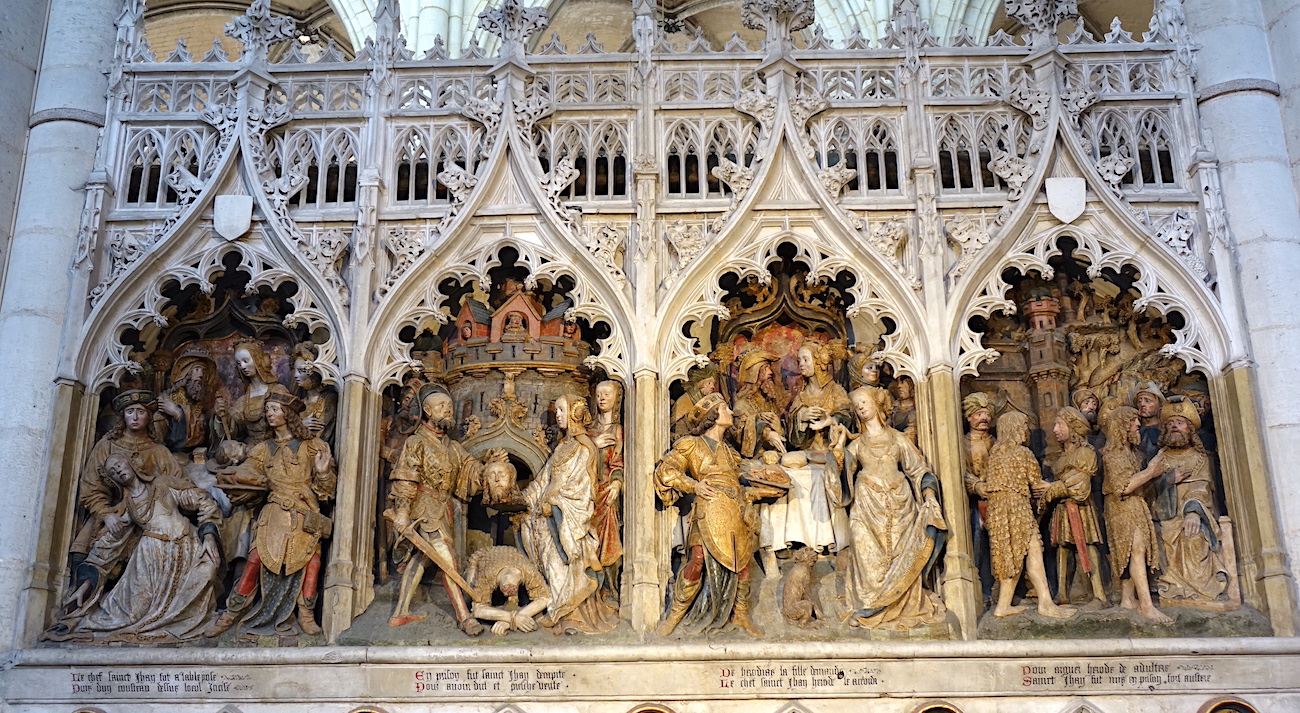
[(1197, 545), (771, 454), (896, 523), (723, 525), (106, 530), (284, 565), (1128, 402), (558, 532), (431, 470), (1133, 551), (1010, 473), (168, 590)]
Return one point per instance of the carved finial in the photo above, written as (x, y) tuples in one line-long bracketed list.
[(779, 19), (514, 24), (257, 30), (1042, 17)]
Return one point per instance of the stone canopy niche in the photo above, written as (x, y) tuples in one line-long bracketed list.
[(1081, 363), (837, 513), (508, 363), (172, 521)]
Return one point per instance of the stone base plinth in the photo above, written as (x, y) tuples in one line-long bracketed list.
[(1166, 675)]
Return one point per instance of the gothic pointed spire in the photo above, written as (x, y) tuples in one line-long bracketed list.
[(257, 30), (779, 19), (1042, 17), (514, 24)]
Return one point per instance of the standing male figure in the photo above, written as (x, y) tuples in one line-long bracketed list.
[(1013, 531), (1148, 399), (432, 470), (720, 541), (1074, 521), (298, 473)]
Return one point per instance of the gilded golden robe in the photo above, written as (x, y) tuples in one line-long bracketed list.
[(1073, 486), (1192, 568), (830, 396), (431, 470), (290, 526), (724, 525)]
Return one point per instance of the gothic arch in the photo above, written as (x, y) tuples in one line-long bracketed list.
[(548, 243), (745, 239), (184, 249), (1108, 235), (1204, 343)]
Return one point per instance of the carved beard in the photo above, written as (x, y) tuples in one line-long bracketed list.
[(770, 389), (194, 391), (1175, 440), (446, 424)]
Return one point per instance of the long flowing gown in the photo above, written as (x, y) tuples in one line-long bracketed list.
[(563, 544), (897, 534), (168, 590)]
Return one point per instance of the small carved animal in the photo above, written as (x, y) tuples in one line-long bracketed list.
[(796, 602)]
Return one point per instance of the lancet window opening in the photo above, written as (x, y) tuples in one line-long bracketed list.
[(869, 149), (152, 156), (1145, 137), (327, 159), (968, 143), (598, 152), (695, 149)]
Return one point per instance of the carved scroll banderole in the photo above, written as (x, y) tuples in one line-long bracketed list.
[(421, 544)]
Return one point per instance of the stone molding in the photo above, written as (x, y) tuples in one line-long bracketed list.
[(66, 113), (1233, 86)]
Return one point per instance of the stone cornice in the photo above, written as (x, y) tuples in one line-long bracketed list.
[(1232, 86), (64, 113)]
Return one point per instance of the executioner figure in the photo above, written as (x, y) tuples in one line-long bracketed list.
[(1132, 536), (506, 569), (722, 524), (298, 473), (432, 470), (1006, 486), (1195, 569), (1074, 520)]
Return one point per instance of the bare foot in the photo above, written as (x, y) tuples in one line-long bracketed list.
[(1128, 603), (1156, 615), (404, 620), (1048, 609), (1008, 611)]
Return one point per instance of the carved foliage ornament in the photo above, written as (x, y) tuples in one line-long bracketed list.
[(1042, 17), (258, 30), (970, 238)]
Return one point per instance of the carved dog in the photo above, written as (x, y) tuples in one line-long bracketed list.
[(796, 603)]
